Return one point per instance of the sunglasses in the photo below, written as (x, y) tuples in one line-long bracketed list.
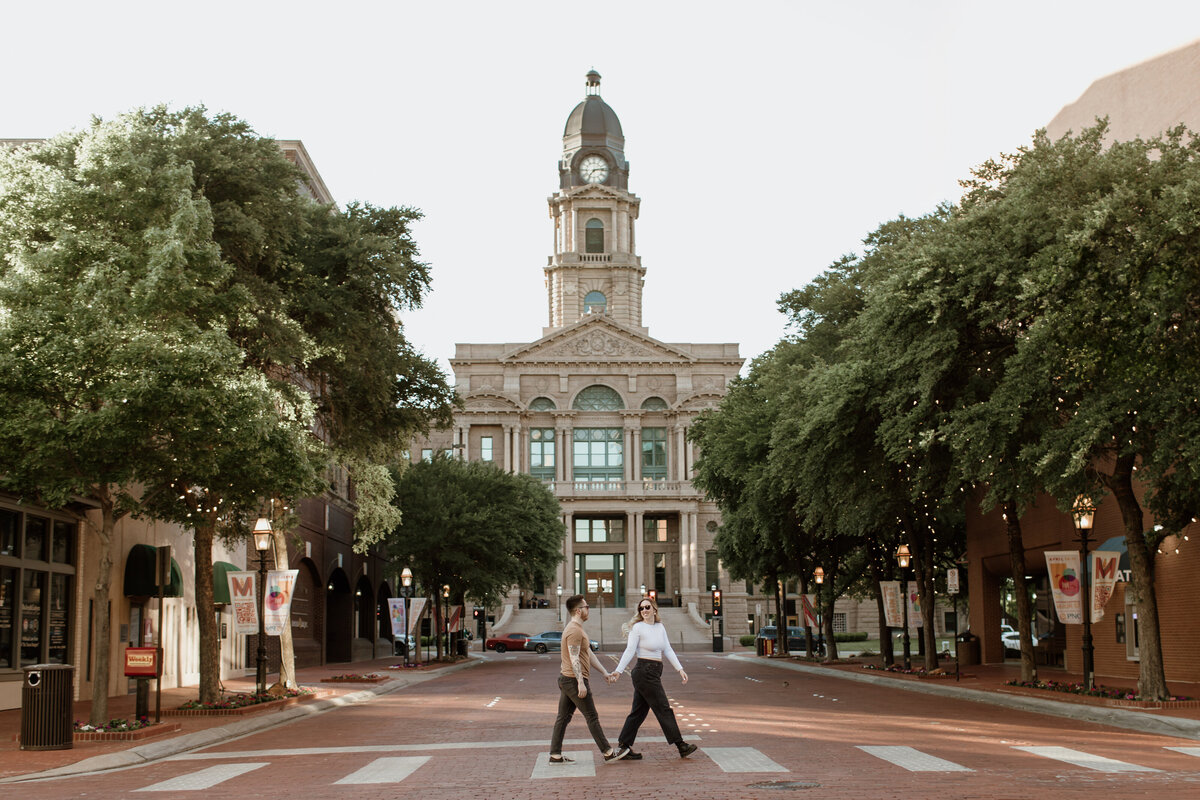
[(645, 608)]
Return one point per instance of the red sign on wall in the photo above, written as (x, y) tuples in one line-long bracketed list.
[(141, 662)]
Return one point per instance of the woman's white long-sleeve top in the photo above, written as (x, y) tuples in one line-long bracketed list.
[(648, 640)]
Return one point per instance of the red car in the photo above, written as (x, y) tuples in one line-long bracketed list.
[(509, 641)]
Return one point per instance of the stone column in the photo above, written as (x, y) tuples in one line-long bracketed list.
[(567, 571), (639, 572), (627, 443), (679, 472), (517, 435), (637, 454)]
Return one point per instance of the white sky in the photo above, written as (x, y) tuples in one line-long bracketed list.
[(765, 141)]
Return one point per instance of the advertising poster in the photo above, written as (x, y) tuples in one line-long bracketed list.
[(892, 615), (244, 601), (810, 610), (396, 614), (281, 584), (1104, 579), (1063, 566), (414, 615)]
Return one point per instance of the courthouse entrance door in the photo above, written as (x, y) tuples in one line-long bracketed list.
[(601, 579)]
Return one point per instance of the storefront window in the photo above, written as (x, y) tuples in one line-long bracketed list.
[(37, 576)]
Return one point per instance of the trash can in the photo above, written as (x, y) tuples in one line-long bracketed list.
[(464, 647), (967, 650), (46, 704), (759, 647)]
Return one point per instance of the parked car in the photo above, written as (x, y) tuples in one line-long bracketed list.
[(552, 640), (796, 639), (400, 648), (1012, 640), (509, 641)]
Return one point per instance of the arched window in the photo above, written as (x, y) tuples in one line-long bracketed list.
[(594, 238), (654, 404), (595, 303), (598, 398), (542, 404)]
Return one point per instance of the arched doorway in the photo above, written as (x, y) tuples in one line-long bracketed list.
[(307, 616), (339, 618)]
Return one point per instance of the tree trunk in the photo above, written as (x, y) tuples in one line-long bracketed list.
[(210, 654), (1016, 558), (287, 650), (922, 555), (886, 650), (1152, 677), (827, 626), (102, 608)]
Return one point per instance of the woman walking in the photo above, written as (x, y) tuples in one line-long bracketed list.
[(648, 641)]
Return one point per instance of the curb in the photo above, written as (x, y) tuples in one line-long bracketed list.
[(155, 751), (1114, 717)]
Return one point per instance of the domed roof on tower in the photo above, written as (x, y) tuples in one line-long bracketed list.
[(593, 138), (594, 117)]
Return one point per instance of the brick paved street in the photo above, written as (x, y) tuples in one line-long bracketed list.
[(763, 731)]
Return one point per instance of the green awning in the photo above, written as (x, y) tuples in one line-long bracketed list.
[(139, 574), (220, 582)]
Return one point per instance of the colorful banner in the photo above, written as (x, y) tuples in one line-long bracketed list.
[(914, 606), (277, 603), (396, 614), (414, 614), (809, 601), (1104, 577), (1063, 566), (456, 615), (891, 604), (243, 597)]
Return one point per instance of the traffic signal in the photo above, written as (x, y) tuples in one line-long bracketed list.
[(653, 596), (477, 612), (716, 598)]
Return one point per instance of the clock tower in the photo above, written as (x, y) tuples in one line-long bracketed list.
[(595, 268)]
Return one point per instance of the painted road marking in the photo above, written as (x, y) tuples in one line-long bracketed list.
[(1187, 751), (204, 779), (581, 767), (913, 760), (1081, 759), (742, 759), (386, 770), (390, 748)]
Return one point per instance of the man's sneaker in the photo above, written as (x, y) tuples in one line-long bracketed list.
[(686, 749), (633, 756), (618, 754), (560, 759)]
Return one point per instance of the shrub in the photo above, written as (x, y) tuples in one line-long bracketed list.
[(746, 640), (850, 637)]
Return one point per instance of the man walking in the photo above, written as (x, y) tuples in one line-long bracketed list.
[(573, 688)]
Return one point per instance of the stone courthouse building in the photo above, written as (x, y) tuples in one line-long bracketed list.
[(597, 407)]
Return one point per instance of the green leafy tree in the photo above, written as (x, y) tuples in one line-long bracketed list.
[(476, 528)]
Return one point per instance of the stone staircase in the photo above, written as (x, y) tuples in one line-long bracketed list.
[(687, 634)]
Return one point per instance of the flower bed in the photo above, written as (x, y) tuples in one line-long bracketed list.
[(122, 730), (1101, 695), (243, 703), (350, 677)]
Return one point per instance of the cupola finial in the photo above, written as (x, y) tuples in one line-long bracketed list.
[(593, 83)]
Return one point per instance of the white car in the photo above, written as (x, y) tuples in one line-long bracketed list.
[(1012, 639)]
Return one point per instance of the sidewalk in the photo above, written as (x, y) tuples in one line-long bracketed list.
[(183, 733), (981, 683)]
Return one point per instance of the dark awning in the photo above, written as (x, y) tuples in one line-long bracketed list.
[(220, 582), (139, 574)]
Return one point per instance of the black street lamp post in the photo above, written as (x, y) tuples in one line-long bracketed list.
[(446, 617), (819, 577), (262, 541), (1084, 512), (406, 591), (903, 556)]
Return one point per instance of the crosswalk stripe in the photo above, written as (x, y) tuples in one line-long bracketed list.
[(1082, 759), (203, 779), (580, 766), (1187, 751), (913, 760), (386, 770), (742, 759)]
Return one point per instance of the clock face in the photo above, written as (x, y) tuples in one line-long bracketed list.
[(594, 169)]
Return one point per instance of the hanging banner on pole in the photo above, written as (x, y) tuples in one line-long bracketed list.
[(1104, 578), (1063, 566), (891, 604), (952, 580), (809, 602), (243, 597), (396, 614), (914, 606), (277, 602), (456, 613), (414, 613)]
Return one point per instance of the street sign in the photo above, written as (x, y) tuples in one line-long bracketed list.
[(952, 580)]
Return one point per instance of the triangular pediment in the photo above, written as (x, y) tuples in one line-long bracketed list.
[(597, 191), (597, 338)]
